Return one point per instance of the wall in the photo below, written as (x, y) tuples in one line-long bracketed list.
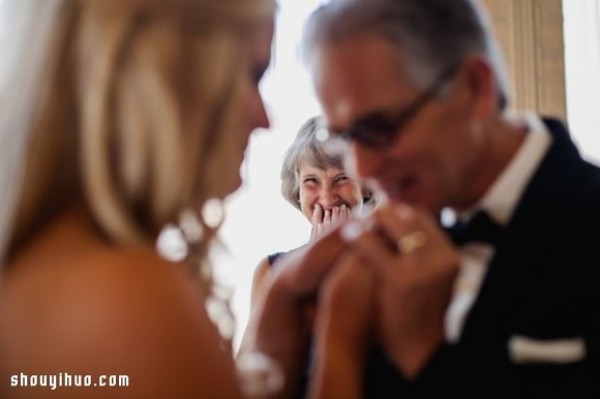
[(531, 34)]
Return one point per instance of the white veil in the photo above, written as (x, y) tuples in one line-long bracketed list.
[(25, 27)]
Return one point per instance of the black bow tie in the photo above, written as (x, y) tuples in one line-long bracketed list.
[(480, 228)]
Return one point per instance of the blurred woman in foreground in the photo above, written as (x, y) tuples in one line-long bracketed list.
[(118, 117)]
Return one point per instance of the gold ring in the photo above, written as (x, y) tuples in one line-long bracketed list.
[(411, 242)]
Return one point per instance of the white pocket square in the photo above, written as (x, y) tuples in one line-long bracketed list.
[(559, 351)]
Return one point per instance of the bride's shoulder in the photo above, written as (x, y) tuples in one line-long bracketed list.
[(70, 255), (70, 302)]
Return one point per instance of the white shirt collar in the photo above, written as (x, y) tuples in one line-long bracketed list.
[(500, 202), (503, 196)]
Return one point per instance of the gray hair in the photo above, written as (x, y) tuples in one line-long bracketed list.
[(306, 147), (435, 34)]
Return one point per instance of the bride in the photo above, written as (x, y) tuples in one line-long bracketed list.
[(118, 117)]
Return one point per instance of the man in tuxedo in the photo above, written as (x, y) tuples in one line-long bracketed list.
[(415, 94)]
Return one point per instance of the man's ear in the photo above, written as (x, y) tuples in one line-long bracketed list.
[(481, 86)]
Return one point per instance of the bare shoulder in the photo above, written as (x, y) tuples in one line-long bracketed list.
[(73, 306), (261, 272)]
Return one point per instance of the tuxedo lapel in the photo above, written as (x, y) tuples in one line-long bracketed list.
[(535, 229)]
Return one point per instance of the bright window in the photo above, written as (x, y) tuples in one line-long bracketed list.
[(582, 65), (259, 221)]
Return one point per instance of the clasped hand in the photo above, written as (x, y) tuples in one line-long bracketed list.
[(386, 277)]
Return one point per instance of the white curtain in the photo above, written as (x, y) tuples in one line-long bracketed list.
[(582, 63)]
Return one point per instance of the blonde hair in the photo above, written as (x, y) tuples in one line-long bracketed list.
[(137, 108)]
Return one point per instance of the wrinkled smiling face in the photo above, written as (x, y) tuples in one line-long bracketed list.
[(329, 188), (432, 158)]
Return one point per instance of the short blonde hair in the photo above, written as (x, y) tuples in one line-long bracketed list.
[(138, 106)]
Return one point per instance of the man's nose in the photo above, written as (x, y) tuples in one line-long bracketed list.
[(366, 162)]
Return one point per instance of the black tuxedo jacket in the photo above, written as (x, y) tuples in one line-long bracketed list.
[(543, 283)]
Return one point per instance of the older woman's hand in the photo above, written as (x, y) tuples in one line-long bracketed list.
[(323, 220)]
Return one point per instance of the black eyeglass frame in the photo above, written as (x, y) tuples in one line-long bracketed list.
[(388, 128)]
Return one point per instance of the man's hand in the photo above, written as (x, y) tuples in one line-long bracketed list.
[(415, 266)]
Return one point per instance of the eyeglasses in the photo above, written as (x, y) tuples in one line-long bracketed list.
[(378, 130)]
